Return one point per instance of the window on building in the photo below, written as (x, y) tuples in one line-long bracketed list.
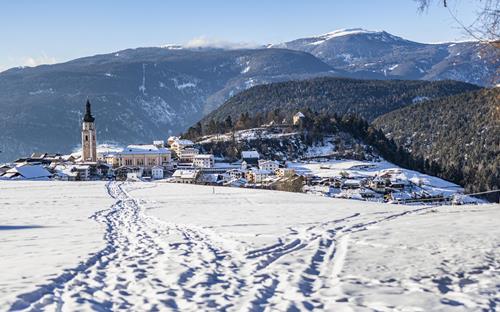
[(86, 138)]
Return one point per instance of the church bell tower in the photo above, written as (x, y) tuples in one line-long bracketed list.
[(89, 152)]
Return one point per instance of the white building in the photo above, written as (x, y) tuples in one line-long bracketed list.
[(187, 155), (177, 144), (257, 175), (83, 172), (145, 156), (204, 161), (185, 176), (157, 172), (269, 165), (297, 118)]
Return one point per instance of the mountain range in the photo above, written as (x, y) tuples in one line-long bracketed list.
[(380, 55), (149, 93)]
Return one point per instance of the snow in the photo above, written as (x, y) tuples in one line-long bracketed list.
[(248, 134), (196, 248), (44, 230), (249, 154), (142, 87), (30, 172), (185, 174), (366, 169), (144, 149), (245, 70), (341, 33), (393, 67), (184, 85)]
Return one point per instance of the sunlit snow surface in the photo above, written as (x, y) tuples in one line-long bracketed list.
[(193, 248)]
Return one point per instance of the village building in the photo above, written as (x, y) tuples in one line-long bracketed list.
[(185, 176), (236, 174), (27, 172), (269, 165), (157, 172), (257, 175), (204, 161), (65, 173), (250, 157), (351, 184), (124, 172), (83, 172), (298, 118), (285, 172), (187, 155), (4, 168), (145, 156), (89, 142), (178, 144), (378, 184), (159, 143)]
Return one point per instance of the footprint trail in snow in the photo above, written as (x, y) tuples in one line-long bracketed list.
[(151, 265)]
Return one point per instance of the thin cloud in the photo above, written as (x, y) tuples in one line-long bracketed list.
[(204, 42), (32, 61)]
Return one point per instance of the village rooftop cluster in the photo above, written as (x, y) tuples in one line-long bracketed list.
[(178, 160)]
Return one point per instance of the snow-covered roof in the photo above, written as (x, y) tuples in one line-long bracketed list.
[(264, 161), (157, 168), (184, 174), (183, 142), (144, 149), (261, 171), (250, 154), (30, 171), (205, 156), (299, 115), (352, 182), (400, 196)]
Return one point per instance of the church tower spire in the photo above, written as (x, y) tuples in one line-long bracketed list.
[(88, 114), (89, 150)]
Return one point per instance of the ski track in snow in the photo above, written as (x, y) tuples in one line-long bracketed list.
[(148, 264)]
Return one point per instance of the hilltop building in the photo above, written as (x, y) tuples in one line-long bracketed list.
[(298, 118), (89, 143)]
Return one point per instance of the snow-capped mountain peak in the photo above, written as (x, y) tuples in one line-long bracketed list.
[(347, 31)]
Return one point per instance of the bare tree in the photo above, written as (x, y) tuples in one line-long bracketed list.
[(486, 26)]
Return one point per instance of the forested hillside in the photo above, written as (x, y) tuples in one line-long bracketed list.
[(367, 98), (460, 133), (447, 129)]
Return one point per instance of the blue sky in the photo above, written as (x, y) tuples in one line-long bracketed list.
[(36, 31)]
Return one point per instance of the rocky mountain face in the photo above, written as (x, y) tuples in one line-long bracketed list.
[(137, 95), (380, 55)]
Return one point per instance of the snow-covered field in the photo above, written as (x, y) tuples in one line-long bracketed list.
[(45, 228), (192, 248)]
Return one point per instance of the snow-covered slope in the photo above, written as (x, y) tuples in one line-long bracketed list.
[(45, 228), (378, 54), (192, 248)]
